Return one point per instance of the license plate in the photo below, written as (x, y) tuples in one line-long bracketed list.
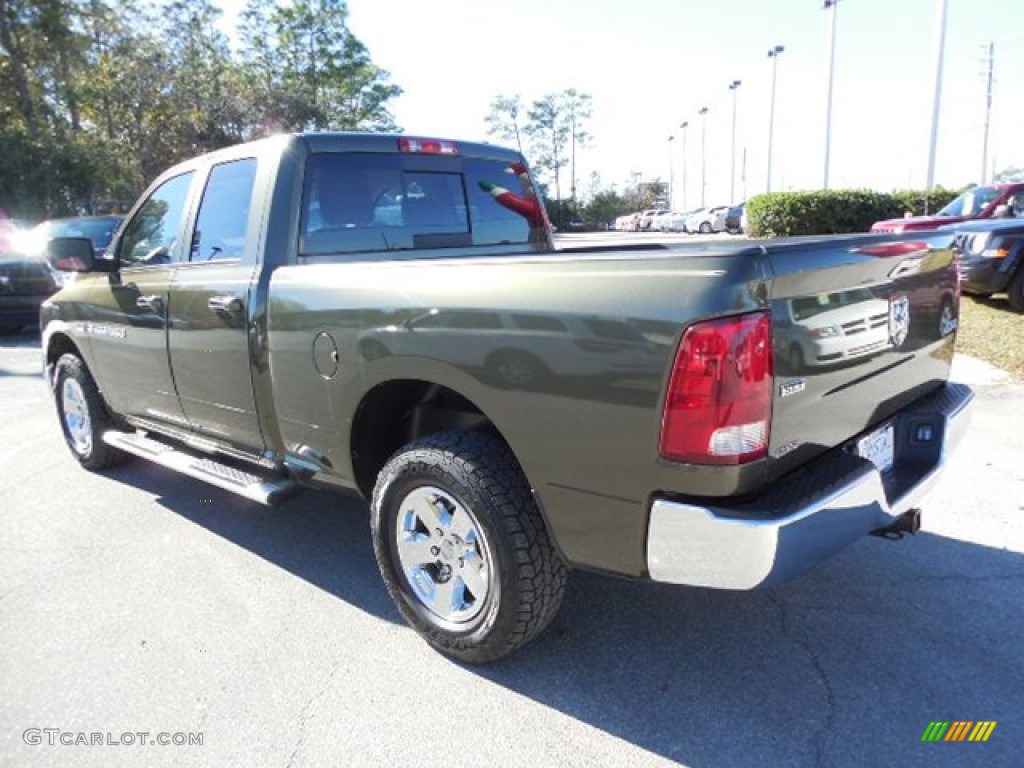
[(878, 447)]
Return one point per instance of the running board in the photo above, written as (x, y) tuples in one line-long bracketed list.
[(266, 489)]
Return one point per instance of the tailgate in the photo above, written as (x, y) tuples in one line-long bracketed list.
[(863, 325)]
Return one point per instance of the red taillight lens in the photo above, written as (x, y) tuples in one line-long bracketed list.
[(719, 404), (427, 146)]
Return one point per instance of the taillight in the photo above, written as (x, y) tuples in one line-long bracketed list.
[(719, 404), (427, 146)]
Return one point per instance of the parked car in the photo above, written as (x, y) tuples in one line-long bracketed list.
[(708, 220), (990, 257), (832, 328), (26, 281), (734, 220), (645, 220), (99, 230), (674, 221), (976, 203)]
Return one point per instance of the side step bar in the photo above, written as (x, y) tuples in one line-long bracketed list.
[(266, 489)]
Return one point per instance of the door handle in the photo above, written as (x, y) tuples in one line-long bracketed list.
[(153, 302), (231, 304)]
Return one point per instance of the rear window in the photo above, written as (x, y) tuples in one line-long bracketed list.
[(367, 203)]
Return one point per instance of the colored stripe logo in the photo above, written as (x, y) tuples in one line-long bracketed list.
[(959, 730)]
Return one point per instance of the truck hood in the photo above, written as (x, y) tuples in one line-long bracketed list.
[(915, 223)]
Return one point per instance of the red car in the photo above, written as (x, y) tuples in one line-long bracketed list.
[(975, 203)]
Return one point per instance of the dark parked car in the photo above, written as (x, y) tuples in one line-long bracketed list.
[(25, 282), (26, 279), (990, 257), (734, 220), (98, 229)]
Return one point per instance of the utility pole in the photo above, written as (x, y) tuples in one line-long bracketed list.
[(988, 112), (683, 126), (671, 171), (703, 112), (940, 51), (830, 5), (734, 86), (773, 54)]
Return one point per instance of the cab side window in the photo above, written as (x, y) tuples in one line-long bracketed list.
[(224, 212), (150, 238)]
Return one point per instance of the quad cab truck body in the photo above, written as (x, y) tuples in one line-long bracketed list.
[(388, 315)]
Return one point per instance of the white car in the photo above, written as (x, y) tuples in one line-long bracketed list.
[(708, 220), (833, 328)]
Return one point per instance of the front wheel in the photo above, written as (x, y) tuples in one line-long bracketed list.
[(462, 548), (705, 228), (1015, 291), (83, 414)]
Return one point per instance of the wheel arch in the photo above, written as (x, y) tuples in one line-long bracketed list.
[(396, 412), (59, 343)]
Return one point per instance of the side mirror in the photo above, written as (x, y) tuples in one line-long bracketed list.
[(1002, 212), (74, 254)]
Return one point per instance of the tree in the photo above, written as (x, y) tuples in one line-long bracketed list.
[(98, 96), (325, 78), (556, 126), (503, 119)]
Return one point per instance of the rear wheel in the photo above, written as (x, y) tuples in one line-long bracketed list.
[(462, 548), (83, 414), (705, 228)]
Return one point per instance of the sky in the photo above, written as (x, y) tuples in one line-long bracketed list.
[(650, 65)]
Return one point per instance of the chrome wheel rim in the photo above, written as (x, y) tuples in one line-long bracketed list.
[(444, 555), (76, 416)]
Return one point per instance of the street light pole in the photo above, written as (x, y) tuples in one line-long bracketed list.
[(683, 126), (734, 86), (773, 54), (940, 50), (830, 5), (703, 112), (671, 171)]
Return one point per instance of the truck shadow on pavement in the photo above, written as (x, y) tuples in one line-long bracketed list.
[(880, 641), (323, 538)]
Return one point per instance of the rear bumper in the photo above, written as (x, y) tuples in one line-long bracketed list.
[(808, 515)]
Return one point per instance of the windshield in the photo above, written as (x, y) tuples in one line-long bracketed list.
[(972, 202)]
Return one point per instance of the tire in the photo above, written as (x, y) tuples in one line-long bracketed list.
[(705, 228), (454, 509), (1015, 290), (83, 414)]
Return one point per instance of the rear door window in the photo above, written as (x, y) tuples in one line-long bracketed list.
[(379, 203)]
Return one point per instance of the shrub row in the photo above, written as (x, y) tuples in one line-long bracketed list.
[(836, 211)]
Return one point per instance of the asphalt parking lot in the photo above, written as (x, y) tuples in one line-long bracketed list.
[(141, 601)]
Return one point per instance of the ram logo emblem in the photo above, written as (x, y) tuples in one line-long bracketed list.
[(899, 319)]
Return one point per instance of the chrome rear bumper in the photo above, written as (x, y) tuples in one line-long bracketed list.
[(808, 516)]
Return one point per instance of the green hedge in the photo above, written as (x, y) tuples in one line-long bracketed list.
[(836, 211)]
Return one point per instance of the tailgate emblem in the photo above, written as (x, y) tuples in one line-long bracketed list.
[(899, 319)]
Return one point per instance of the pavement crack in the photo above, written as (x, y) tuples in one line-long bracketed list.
[(824, 734), (307, 711)]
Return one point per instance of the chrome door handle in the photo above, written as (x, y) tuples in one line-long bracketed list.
[(225, 304), (153, 302)]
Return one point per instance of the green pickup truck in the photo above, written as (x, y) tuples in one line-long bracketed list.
[(388, 315)]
